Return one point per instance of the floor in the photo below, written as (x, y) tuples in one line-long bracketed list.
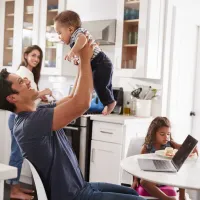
[(7, 191)]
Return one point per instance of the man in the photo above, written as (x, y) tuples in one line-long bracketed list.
[(43, 142)]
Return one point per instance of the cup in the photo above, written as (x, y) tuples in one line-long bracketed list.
[(143, 108), (10, 42), (29, 9)]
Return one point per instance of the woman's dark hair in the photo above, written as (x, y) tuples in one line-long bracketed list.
[(6, 90), (36, 70), (157, 123)]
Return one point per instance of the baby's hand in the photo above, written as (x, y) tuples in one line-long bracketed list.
[(70, 56)]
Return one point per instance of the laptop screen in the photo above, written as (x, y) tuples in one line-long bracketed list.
[(184, 151)]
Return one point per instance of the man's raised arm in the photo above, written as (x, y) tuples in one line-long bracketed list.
[(65, 112)]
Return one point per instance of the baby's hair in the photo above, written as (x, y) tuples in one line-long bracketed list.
[(157, 123), (68, 18)]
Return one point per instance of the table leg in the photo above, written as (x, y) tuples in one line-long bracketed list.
[(1, 189)]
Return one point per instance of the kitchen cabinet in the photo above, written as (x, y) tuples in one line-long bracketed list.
[(20, 29), (53, 51), (139, 42), (94, 9), (111, 136)]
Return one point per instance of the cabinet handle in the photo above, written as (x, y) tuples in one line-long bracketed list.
[(106, 132), (92, 155)]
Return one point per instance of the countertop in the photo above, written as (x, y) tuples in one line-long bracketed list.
[(7, 172), (120, 119)]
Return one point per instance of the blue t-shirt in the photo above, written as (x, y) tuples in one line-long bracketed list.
[(50, 152)]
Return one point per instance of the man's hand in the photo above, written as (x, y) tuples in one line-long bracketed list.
[(70, 56)]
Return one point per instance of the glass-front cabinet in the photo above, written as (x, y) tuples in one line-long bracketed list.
[(139, 38), (20, 25), (7, 32), (49, 41)]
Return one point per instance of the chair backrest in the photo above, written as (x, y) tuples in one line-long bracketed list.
[(41, 194), (135, 146)]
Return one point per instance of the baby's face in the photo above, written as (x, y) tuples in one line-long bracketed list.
[(64, 32)]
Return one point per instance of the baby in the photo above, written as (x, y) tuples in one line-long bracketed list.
[(68, 26)]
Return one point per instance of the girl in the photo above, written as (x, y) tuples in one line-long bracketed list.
[(158, 138), (29, 68)]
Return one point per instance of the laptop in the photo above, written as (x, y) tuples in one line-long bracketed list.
[(170, 165)]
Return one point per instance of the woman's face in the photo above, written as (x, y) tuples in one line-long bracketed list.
[(163, 135), (33, 58)]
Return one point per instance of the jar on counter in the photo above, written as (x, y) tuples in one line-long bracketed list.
[(127, 109)]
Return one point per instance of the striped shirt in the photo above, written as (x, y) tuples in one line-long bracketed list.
[(74, 37)]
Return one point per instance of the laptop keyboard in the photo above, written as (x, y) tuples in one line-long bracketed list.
[(162, 164)]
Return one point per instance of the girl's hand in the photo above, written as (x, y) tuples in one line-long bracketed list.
[(196, 151), (70, 56), (135, 184)]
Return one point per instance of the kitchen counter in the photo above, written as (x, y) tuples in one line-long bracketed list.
[(119, 119)]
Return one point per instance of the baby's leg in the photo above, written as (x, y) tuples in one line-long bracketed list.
[(102, 75), (152, 189)]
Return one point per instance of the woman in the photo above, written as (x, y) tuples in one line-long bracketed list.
[(30, 68)]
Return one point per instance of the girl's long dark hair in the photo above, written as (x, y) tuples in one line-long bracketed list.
[(36, 70), (157, 123)]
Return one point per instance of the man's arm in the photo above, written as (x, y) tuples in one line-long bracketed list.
[(72, 92), (65, 112)]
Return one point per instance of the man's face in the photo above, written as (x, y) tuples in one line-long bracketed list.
[(23, 87)]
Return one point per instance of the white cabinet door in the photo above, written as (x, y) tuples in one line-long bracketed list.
[(105, 162), (182, 61), (153, 47), (53, 51), (150, 40), (94, 9)]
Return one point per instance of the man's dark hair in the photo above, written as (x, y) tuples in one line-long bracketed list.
[(6, 90)]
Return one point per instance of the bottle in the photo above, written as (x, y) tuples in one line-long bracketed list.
[(133, 105), (127, 109), (130, 37)]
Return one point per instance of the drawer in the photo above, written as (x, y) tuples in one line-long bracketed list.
[(108, 132)]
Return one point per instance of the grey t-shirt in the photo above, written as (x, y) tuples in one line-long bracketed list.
[(50, 152)]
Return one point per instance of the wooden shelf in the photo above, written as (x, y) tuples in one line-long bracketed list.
[(53, 10), (132, 21), (10, 29), (132, 4), (29, 13), (10, 15), (130, 45), (9, 48), (28, 28)]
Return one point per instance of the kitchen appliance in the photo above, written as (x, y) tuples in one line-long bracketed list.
[(103, 31), (79, 133)]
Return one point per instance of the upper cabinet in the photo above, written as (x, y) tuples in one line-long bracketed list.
[(53, 51), (20, 29), (140, 27), (7, 32), (94, 9)]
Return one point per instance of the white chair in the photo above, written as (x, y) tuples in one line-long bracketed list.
[(41, 194)]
